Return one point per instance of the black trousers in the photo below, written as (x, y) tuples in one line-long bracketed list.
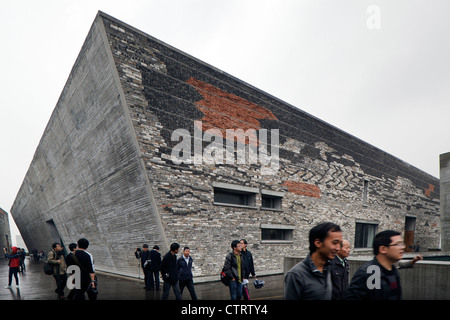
[(61, 280), (190, 285), (153, 280)]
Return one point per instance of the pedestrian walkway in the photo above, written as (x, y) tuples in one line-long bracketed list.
[(34, 284)]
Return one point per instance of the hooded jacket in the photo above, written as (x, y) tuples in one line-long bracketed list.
[(14, 258)]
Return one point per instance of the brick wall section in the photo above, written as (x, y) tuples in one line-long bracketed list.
[(322, 168)]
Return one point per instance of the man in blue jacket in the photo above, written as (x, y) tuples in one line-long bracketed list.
[(185, 277)]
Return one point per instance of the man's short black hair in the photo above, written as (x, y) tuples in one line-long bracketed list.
[(156, 247), (83, 243), (72, 246), (234, 244), (186, 248), (174, 246), (54, 244), (321, 232), (383, 238)]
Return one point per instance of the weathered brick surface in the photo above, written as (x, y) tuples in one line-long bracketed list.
[(321, 168)]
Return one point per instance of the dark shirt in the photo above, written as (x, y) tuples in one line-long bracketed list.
[(339, 277), (362, 286), (86, 265)]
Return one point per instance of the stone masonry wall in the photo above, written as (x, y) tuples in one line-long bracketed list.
[(321, 174)]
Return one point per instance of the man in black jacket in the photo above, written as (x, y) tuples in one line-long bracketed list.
[(339, 269), (249, 267), (378, 279), (144, 255), (169, 272), (154, 265), (185, 277)]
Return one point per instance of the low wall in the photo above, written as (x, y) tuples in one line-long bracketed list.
[(428, 280)]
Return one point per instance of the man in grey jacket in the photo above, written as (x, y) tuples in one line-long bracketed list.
[(310, 279)]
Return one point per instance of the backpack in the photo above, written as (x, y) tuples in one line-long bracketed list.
[(224, 278), (48, 269)]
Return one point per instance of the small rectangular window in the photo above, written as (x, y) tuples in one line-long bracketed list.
[(270, 202), (234, 197), (364, 234), (276, 234), (365, 192)]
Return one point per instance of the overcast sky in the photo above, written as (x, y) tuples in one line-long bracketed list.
[(378, 70)]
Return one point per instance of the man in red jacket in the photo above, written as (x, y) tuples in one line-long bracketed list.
[(14, 262)]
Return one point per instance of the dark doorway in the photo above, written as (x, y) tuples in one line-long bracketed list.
[(55, 234), (410, 227)]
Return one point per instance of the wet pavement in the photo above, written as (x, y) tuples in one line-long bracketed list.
[(34, 284)]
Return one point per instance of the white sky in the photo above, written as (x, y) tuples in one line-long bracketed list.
[(388, 86)]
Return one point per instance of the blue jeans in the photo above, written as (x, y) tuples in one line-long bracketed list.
[(235, 290)]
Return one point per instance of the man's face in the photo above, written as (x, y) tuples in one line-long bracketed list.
[(330, 245), (239, 247), (145, 249), (345, 250), (58, 248), (395, 249), (187, 252)]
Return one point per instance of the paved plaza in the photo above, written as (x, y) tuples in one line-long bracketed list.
[(35, 285)]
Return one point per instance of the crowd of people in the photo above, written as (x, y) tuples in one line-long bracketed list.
[(322, 275), (177, 272), (58, 263)]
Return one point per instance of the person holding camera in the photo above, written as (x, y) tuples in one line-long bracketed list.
[(14, 262), (57, 261)]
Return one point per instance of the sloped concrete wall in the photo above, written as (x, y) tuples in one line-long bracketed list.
[(86, 177)]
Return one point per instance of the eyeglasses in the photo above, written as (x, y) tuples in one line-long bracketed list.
[(401, 244)]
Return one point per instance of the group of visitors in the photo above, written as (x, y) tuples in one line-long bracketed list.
[(177, 272), (80, 257), (323, 274)]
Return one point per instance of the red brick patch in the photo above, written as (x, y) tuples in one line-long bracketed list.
[(428, 191), (303, 189), (224, 110)]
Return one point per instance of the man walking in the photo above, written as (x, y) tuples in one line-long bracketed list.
[(84, 260), (310, 279), (154, 265), (378, 279), (249, 267), (56, 259), (234, 269), (169, 272), (184, 266)]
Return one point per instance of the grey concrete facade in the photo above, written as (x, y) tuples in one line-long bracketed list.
[(5, 235), (105, 170), (445, 200)]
